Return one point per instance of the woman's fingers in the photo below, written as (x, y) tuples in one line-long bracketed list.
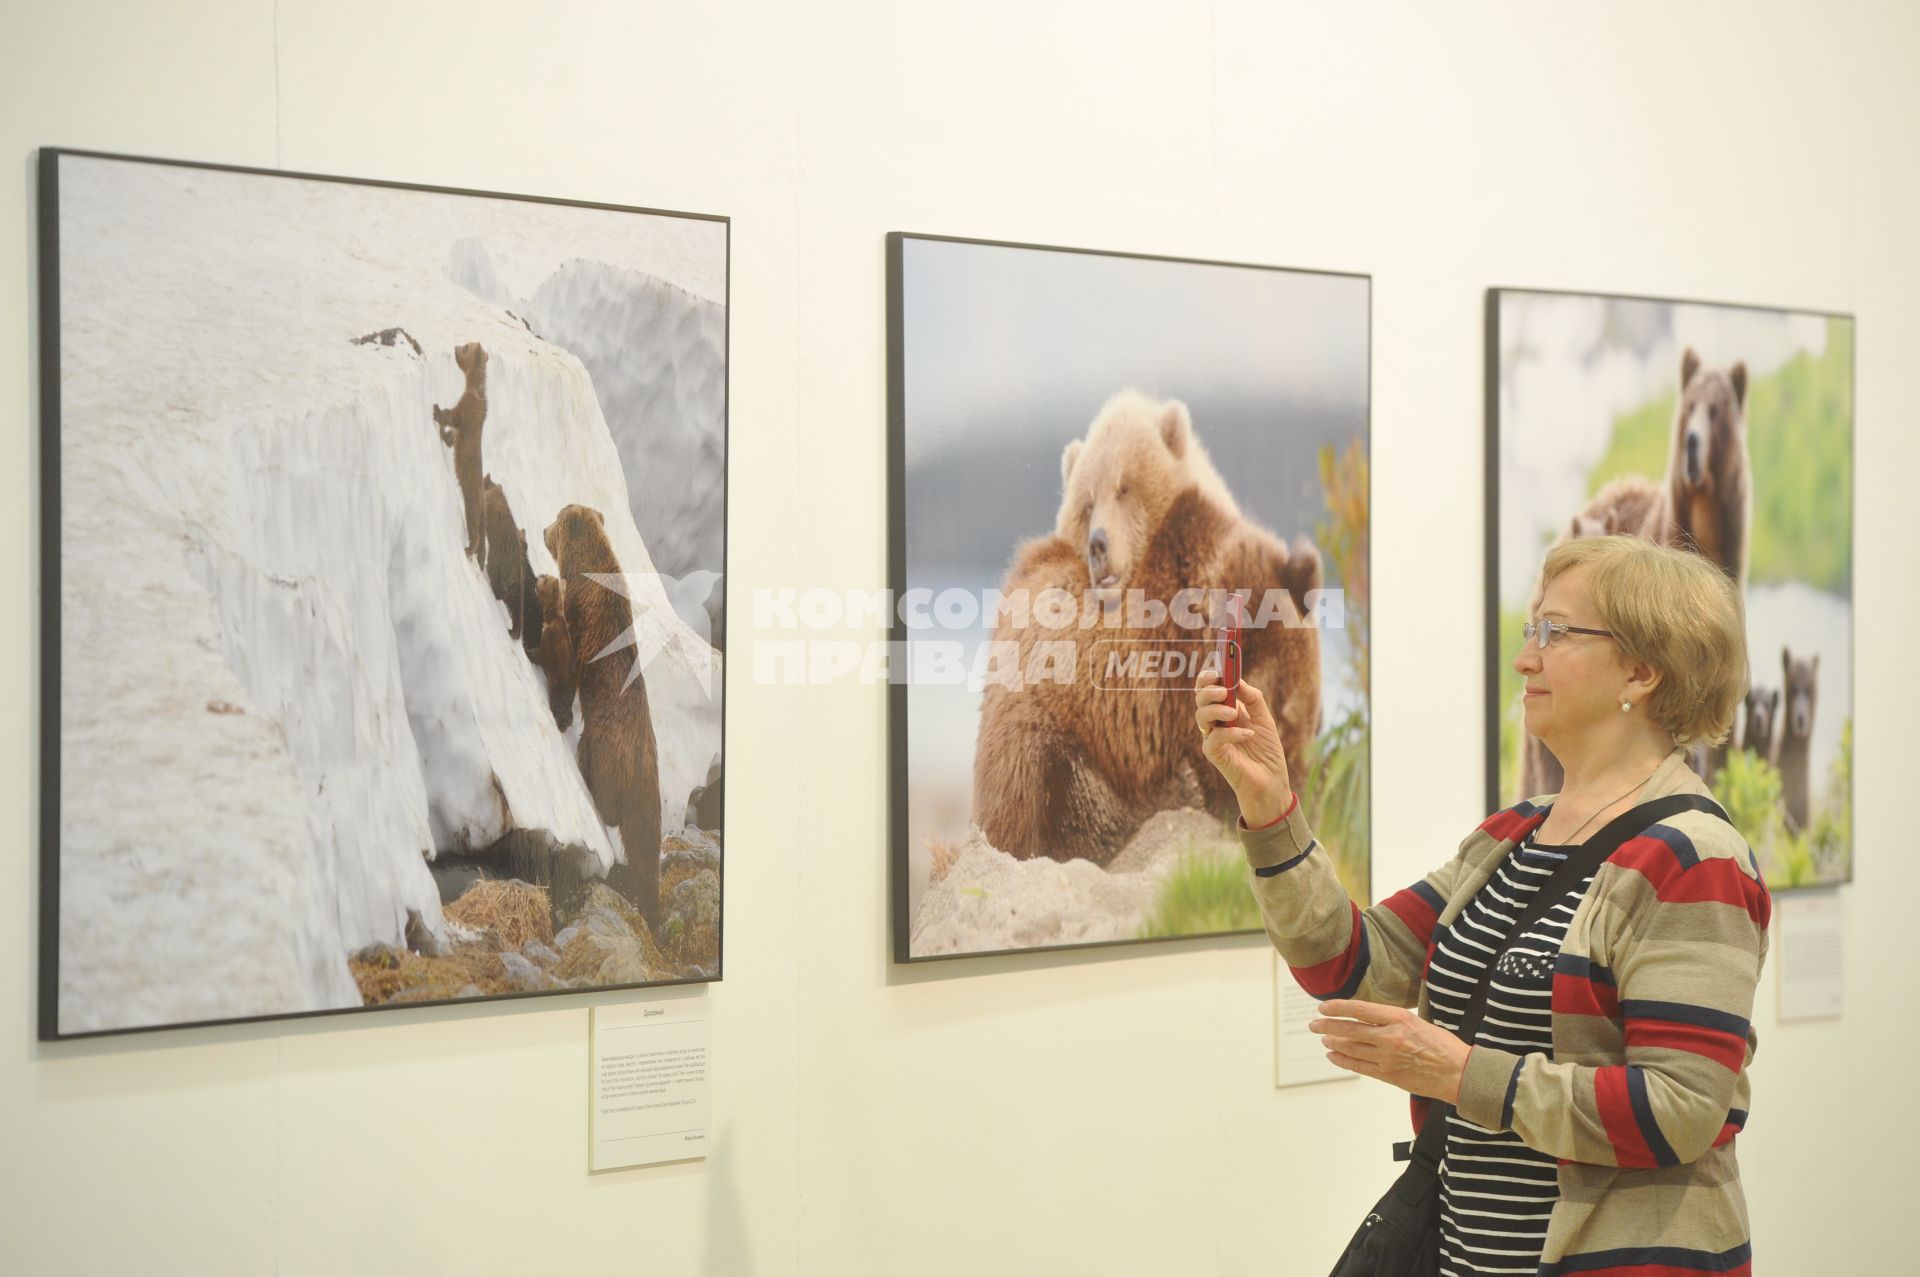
[(1208, 715), (1365, 1012), (1256, 702)]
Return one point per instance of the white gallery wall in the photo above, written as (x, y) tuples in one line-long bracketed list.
[(1108, 1112)]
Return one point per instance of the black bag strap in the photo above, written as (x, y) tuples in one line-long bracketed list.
[(1581, 861)]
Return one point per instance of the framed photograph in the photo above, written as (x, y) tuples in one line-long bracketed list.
[(1108, 473), (384, 536), (1726, 430)]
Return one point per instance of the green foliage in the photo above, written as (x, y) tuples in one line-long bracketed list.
[(1207, 892), (1344, 540), (1800, 446), (1337, 787), (1336, 792), (1831, 839), (1749, 788), (1641, 444), (1800, 437)]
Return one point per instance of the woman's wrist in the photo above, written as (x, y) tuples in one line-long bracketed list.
[(1269, 809)]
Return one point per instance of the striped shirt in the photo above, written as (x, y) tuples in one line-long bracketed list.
[(1496, 1194), (1652, 992)]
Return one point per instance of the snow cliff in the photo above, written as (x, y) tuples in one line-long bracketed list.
[(284, 685)]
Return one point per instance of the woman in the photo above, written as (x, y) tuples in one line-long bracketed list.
[(1598, 1102)]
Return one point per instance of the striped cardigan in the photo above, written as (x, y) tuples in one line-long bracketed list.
[(1652, 997)]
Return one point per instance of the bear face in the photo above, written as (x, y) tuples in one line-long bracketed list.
[(472, 359), (1709, 446), (1117, 484), (1802, 690), (1763, 703), (577, 539)]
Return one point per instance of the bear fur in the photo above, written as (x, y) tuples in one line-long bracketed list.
[(1705, 503), (508, 569), (1791, 743), (1763, 709), (553, 652), (1070, 769), (461, 427), (617, 754), (706, 802)]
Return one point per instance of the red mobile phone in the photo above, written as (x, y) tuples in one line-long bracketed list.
[(1229, 650)]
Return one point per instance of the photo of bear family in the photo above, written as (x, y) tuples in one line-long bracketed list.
[(1725, 430), (383, 619), (1089, 452)]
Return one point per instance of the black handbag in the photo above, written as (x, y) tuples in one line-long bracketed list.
[(1400, 1237)]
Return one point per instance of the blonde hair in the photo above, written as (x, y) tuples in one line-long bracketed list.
[(1674, 611)]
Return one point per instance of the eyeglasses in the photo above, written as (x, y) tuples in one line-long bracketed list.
[(1543, 631)]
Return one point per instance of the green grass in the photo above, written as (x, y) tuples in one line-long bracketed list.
[(1207, 892), (1750, 789), (1336, 793), (1799, 443)]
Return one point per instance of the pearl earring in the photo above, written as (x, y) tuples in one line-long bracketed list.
[(1625, 706)]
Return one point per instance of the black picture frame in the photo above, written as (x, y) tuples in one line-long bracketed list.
[(53, 304), (1497, 711), (898, 716)]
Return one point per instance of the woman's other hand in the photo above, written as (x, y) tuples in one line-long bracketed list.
[(1394, 1045), (1244, 744)]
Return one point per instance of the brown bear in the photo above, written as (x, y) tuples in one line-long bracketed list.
[(461, 427), (1070, 762), (508, 569), (1763, 705), (1791, 745), (1705, 503), (554, 653), (706, 802), (617, 754)]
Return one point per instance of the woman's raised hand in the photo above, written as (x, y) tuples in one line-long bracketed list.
[(1244, 743)]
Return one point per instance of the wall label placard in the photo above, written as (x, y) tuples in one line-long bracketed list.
[(649, 1090)]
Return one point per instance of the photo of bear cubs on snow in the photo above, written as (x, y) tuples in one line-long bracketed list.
[(1722, 430), (385, 673), (616, 749), (1129, 442)]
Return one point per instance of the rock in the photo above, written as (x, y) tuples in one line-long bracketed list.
[(565, 938), (626, 963), (523, 975), (605, 924), (540, 953), (682, 852), (384, 956), (988, 900), (696, 900)]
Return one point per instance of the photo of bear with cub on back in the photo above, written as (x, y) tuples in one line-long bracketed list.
[(574, 630), (1071, 770), (1756, 480), (1097, 451)]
